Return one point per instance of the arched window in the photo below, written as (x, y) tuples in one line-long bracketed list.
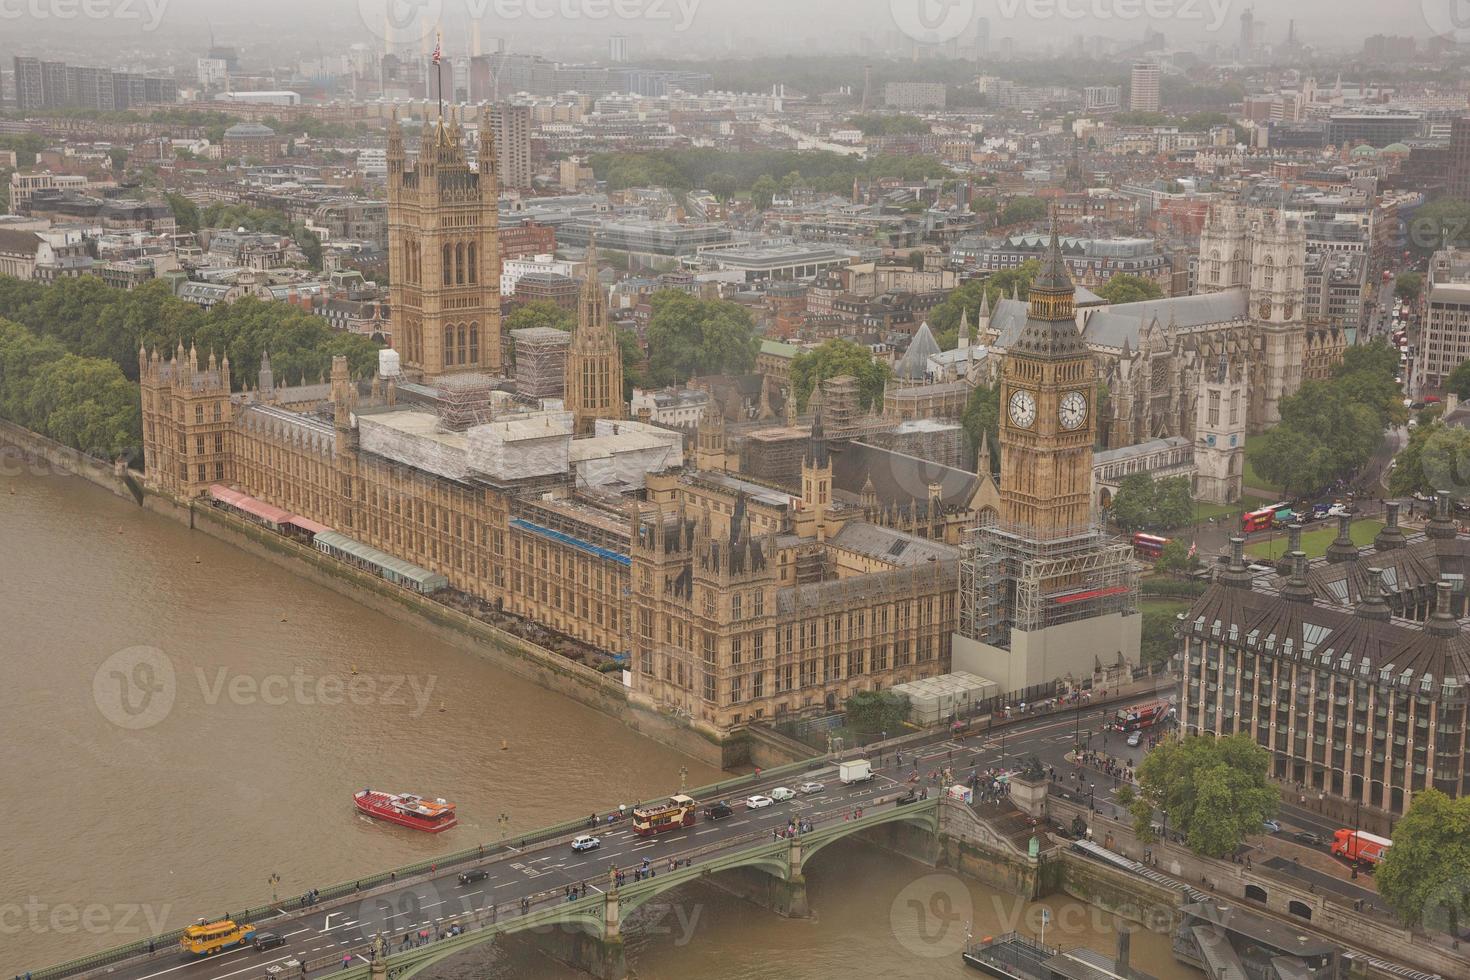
[(462, 345), (459, 264), (448, 265), (474, 336), (471, 255), (1215, 265), (1269, 277), (448, 342)]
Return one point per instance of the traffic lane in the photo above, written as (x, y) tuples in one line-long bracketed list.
[(514, 875), (1018, 738), (625, 850)]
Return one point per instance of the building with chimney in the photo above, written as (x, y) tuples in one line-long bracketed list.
[(1352, 671)]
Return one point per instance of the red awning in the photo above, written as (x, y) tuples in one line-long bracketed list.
[(306, 524), (255, 508)]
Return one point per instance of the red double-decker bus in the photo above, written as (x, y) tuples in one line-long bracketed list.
[(1149, 546), (1261, 520), (1136, 717)]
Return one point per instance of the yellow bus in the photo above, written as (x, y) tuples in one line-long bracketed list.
[(206, 938)]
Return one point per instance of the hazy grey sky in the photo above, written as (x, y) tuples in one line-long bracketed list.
[(692, 26)]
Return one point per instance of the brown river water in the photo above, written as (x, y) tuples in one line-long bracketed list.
[(184, 722)]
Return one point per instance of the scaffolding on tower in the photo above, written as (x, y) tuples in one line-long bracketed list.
[(541, 361), (464, 401), (1011, 579)]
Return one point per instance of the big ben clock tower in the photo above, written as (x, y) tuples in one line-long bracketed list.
[(1047, 424), (1045, 593)]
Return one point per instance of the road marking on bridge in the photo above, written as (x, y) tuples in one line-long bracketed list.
[(253, 966), (709, 831), (298, 932), (327, 922)]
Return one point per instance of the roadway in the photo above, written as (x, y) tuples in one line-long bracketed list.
[(543, 871), (434, 903)]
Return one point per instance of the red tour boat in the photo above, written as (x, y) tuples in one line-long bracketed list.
[(407, 810)]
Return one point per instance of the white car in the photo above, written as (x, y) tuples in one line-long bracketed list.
[(809, 788), (758, 802), (586, 843), (781, 794), (1134, 738)]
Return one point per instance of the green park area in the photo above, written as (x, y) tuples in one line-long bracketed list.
[(1205, 511), (1315, 541)]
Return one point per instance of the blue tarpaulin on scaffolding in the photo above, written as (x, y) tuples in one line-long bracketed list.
[(577, 543)]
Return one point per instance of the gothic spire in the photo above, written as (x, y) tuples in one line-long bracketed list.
[(816, 450)]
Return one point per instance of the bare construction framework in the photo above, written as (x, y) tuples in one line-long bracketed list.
[(541, 361), (464, 400), (1010, 580)]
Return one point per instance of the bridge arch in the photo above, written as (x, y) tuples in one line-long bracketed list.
[(927, 819)]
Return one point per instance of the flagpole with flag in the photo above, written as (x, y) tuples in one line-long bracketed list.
[(439, 67)]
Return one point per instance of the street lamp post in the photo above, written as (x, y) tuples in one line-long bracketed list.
[(1166, 825), (1092, 796), (504, 822), (683, 778), (273, 881)]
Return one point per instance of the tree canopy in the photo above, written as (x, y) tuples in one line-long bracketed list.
[(876, 711), (1459, 380), (875, 124), (1215, 791), (82, 402), (91, 319), (1408, 286), (689, 337), (542, 313), (1020, 210), (944, 319), (756, 170), (1423, 877), (1442, 223), (1177, 558), (1329, 429), (1145, 504), (1159, 643), (1436, 458), (833, 359), (981, 421), (1128, 288)]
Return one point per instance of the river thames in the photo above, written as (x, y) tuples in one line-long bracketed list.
[(187, 723)]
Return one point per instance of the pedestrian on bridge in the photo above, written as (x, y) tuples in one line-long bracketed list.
[(346, 960)]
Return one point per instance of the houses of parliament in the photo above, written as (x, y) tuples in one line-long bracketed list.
[(734, 596)]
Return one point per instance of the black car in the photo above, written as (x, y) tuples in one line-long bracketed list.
[(908, 797), (1309, 838), (718, 811), (268, 940), (470, 877)]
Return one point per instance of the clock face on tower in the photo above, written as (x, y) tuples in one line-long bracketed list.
[(1072, 412), (1023, 409)]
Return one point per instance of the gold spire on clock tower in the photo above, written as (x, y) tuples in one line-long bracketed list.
[(1047, 423)]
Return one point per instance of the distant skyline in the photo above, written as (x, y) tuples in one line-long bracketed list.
[(674, 28)]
